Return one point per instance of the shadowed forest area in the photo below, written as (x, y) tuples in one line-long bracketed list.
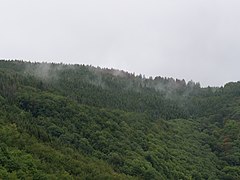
[(61, 121)]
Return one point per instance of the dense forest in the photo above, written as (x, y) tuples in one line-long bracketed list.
[(60, 121)]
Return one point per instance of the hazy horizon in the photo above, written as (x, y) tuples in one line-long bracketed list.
[(111, 68), (192, 40)]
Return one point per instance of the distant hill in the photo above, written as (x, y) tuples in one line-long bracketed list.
[(63, 121)]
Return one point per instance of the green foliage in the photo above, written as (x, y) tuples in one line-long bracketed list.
[(79, 122)]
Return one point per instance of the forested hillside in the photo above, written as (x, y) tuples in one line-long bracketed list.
[(61, 121)]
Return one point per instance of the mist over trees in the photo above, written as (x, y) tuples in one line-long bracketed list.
[(61, 121)]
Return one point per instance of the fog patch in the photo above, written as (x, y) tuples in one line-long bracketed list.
[(44, 71)]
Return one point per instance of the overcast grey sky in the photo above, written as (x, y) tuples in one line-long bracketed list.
[(190, 39)]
